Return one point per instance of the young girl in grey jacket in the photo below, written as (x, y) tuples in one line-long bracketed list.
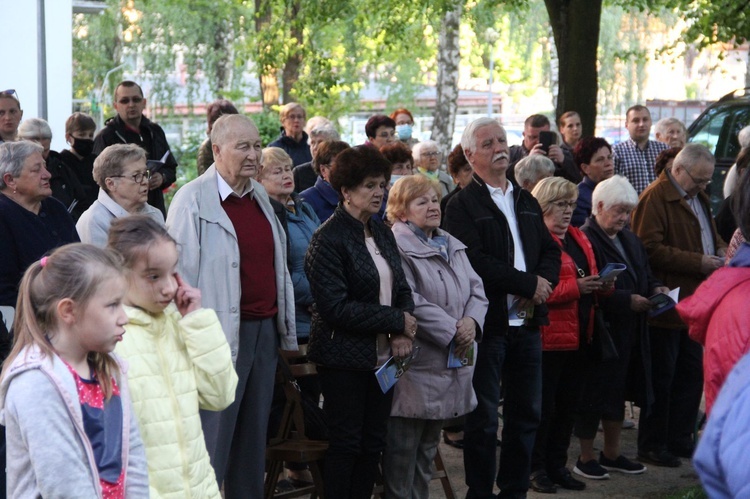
[(64, 396)]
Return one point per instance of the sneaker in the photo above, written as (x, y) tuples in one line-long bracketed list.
[(621, 464), (590, 469), (628, 424)]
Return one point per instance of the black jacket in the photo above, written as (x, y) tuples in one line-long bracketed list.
[(637, 279), (298, 151), (345, 285), (153, 140), (473, 217), (65, 186)]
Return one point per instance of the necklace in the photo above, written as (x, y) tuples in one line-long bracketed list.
[(371, 242)]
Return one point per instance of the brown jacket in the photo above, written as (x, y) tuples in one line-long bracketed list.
[(671, 234)]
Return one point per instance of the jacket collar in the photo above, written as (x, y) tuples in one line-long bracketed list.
[(410, 244), (326, 191)]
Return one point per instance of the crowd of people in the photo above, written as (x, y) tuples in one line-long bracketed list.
[(146, 338)]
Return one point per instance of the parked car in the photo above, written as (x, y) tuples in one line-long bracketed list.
[(717, 128)]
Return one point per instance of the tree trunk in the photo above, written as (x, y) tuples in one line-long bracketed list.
[(294, 59), (269, 84), (575, 25), (449, 56), (223, 67)]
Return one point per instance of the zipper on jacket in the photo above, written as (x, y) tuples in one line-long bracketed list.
[(445, 286)]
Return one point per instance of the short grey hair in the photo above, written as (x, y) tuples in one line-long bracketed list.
[(416, 151), (664, 123), (112, 160), (614, 191), (12, 157), (327, 132), (34, 128), (692, 154), (288, 108), (315, 122), (533, 168), (225, 124), (469, 139), (744, 137)]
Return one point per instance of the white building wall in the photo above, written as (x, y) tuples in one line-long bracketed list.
[(20, 68)]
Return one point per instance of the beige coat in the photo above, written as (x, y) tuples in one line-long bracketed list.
[(210, 257)]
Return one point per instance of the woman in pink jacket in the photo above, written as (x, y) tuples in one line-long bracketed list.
[(450, 306)]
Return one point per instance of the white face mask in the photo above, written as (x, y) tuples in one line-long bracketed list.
[(404, 131)]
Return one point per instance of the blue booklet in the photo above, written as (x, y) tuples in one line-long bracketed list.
[(456, 362), (390, 372), (611, 271)]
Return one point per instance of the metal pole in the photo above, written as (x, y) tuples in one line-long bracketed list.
[(489, 91), (42, 60)]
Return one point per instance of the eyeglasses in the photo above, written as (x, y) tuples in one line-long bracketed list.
[(695, 180), (12, 92), (295, 117), (126, 100), (137, 177), (431, 154), (562, 205)]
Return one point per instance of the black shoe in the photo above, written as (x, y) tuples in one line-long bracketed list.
[(458, 444), (541, 483), (659, 458), (564, 479), (682, 451), (621, 464)]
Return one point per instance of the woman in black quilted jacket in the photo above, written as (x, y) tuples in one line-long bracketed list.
[(361, 317)]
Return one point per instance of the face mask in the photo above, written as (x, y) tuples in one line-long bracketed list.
[(396, 177), (84, 147), (403, 131)]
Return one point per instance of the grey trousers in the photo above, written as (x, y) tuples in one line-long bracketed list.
[(407, 460), (236, 436)]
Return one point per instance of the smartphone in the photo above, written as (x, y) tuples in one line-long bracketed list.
[(547, 138)]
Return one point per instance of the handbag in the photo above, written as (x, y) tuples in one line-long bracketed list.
[(602, 346)]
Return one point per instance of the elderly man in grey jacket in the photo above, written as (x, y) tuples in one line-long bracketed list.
[(234, 250)]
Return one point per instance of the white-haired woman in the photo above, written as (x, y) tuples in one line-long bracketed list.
[(625, 311), (31, 222), (450, 306), (122, 175), (427, 160), (532, 169)]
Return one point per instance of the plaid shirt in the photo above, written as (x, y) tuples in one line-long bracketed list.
[(636, 165)]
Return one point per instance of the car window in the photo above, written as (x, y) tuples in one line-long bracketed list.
[(718, 130)]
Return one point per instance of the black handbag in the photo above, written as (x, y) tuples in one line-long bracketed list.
[(602, 347)]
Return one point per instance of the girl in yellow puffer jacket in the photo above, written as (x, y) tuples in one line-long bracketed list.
[(179, 359)]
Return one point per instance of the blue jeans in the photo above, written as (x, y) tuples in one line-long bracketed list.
[(515, 356)]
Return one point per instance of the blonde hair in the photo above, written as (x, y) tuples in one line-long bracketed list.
[(273, 156), (288, 108), (74, 271), (552, 189), (406, 190)]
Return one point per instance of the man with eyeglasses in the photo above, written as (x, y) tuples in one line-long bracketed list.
[(10, 115), (673, 219), (131, 127), (293, 138)]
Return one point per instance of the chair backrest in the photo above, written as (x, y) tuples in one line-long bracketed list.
[(292, 366), (9, 314)]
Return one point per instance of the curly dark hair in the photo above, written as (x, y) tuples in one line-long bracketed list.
[(352, 166), (457, 160), (663, 158), (397, 152)]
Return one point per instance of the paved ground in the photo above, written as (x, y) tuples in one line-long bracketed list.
[(655, 483)]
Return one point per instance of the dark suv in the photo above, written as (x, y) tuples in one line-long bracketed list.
[(717, 128)]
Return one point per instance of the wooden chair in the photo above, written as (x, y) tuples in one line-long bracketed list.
[(290, 443)]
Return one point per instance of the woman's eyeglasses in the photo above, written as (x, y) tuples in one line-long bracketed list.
[(137, 177)]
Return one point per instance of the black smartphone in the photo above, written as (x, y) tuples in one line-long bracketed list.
[(547, 138)]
